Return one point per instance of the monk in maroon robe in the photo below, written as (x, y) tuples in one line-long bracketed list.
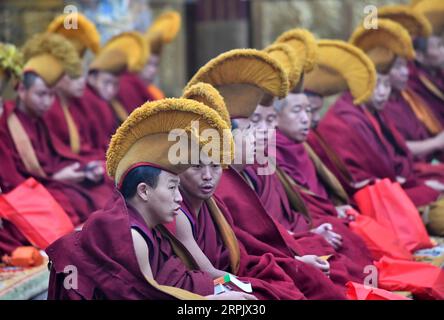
[(43, 156), (132, 91), (216, 253), (73, 120), (425, 73)]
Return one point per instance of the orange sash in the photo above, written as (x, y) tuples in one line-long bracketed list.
[(74, 137), (119, 110), (431, 86), (24, 146), (154, 92)]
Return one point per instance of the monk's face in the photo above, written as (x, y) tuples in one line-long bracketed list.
[(38, 98), (434, 56), (200, 181), (244, 142), (72, 87), (316, 104), (163, 201), (381, 92), (294, 117), (106, 84), (264, 122), (399, 74), (149, 71)]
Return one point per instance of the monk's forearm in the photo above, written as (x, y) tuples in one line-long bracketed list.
[(424, 147)]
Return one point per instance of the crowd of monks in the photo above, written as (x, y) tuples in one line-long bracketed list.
[(97, 137)]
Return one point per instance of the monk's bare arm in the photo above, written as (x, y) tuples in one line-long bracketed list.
[(184, 234), (427, 146), (142, 254)]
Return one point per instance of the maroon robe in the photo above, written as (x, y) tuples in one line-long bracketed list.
[(275, 201), (432, 100), (104, 119), (53, 155), (132, 91), (85, 121), (368, 153), (268, 280), (103, 253), (260, 234)]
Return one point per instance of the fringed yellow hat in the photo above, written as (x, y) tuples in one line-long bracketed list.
[(342, 66), (113, 61), (412, 20), (163, 30), (301, 40), (142, 139), (415, 2), (83, 34), (11, 63), (133, 45), (434, 12), (292, 63), (242, 77), (209, 96), (50, 56), (384, 44)]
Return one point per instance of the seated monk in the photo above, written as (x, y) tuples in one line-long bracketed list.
[(426, 78), (411, 115), (35, 151), (369, 143), (162, 31), (234, 198), (71, 118), (141, 258)]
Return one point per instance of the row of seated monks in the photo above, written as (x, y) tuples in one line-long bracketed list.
[(267, 198)]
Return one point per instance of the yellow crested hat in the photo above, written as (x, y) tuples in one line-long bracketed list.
[(132, 45), (243, 76), (79, 30), (143, 138), (50, 56), (292, 63), (412, 20), (342, 66), (301, 40), (11, 62), (434, 12), (163, 30), (384, 44), (209, 96)]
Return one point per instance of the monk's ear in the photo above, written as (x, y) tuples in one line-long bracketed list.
[(143, 191)]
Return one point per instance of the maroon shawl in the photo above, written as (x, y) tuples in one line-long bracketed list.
[(103, 253), (132, 91), (260, 234), (295, 161)]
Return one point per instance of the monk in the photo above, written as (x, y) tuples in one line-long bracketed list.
[(127, 235), (425, 72), (320, 240)]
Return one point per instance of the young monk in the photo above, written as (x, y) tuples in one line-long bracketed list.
[(241, 203), (123, 252), (426, 71), (71, 118), (411, 115), (32, 147), (375, 149)]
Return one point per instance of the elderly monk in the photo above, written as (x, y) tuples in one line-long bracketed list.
[(369, 143), (36, 151), (123, 251)]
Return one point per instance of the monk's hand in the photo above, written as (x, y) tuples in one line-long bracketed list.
[(316, 262), (435, 185), (95, 171), (401, 180), (70, 173), (232, 295), (342, 211), (326, 230), (439, 141)]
